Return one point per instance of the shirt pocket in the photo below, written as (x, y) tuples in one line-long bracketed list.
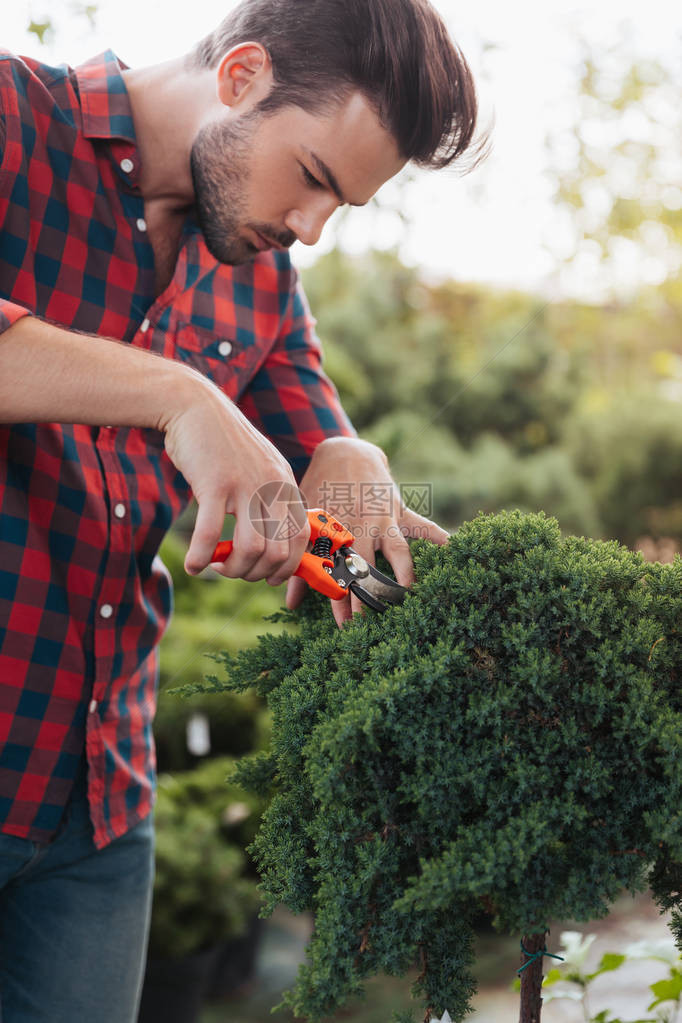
[(229, 363)]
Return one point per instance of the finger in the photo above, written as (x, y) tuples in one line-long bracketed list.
[(356, 605), (287, 530), (397, 552), (415, 525), (275, 553), (296, 588), (296, 528), (206, 534), (341, 611), (248, 547), (269, 540)]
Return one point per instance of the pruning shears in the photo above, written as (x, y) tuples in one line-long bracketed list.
[(334, 568)]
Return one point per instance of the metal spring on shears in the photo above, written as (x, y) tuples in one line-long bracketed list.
[(322, 547)]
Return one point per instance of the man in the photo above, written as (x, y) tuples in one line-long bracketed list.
[(153, 334)]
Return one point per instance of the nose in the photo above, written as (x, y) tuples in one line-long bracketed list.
[(307, 223)]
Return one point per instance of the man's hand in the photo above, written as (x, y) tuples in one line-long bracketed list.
[(226, 461), (351, 465)]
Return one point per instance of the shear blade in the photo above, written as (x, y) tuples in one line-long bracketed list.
[(366, 597), (375, 589)]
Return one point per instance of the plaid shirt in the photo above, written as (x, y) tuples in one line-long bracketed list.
[(84, 598)]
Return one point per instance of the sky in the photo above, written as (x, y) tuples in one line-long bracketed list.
[(498, 225)]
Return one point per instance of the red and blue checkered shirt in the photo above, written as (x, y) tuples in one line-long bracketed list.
[(84, 598)]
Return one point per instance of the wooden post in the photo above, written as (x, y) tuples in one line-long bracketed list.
[(531, 979)]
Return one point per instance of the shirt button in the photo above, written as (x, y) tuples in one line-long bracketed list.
[(141, 224), (93, 706), (126, 165), (224, 347), (144, 325), (106, 610), (119, 511)]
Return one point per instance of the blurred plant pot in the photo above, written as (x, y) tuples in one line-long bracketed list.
[(236, 962), (174, 989)]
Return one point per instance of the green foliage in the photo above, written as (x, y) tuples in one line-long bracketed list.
[(521, 391), (208, 788), (477, 360), (510, 737), (201, 892), (237, 724), (500, 402), (668, 990), (40, 29), (211, 614), (571, 981), (487, 476), (630, 457)]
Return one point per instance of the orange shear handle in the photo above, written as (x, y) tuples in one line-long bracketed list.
[(312, 567)]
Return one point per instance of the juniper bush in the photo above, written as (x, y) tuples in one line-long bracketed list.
[(508, 738)]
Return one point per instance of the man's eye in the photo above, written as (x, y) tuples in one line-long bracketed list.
[(310, 179)]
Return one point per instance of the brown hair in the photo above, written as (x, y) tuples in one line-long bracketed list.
[(396, 52)]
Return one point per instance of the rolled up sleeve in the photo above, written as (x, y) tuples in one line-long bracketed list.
[(10, 312)]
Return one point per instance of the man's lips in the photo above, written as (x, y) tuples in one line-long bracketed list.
[(263, 242)]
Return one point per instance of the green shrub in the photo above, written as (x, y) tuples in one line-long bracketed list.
[(202, 894), (237, 813), (237, 724), (510, 737), (210, 614)]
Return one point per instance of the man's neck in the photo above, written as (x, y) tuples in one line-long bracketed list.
[(168, 104)]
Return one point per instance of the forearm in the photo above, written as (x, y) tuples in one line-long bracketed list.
[(52, 375), (48, 374)]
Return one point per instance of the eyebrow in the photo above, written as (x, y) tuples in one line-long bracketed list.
[(330, 179)]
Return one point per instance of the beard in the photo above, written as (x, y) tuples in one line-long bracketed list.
[(219, 161)]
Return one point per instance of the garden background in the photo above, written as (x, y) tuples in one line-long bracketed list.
[(512, 339)]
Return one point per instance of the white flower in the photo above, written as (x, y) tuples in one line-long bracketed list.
[(663, 949), (575, 947)]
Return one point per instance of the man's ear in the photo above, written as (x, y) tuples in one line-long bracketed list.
[(244, 74)]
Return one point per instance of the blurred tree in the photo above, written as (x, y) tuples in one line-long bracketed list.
[(472, 359), (631, 457), (465, 388), (619, 171)]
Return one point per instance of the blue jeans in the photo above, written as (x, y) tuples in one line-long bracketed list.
[(74, 922)]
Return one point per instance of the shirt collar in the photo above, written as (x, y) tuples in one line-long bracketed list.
[(104, 100)]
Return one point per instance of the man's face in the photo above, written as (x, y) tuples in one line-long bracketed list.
[(264, 181)]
